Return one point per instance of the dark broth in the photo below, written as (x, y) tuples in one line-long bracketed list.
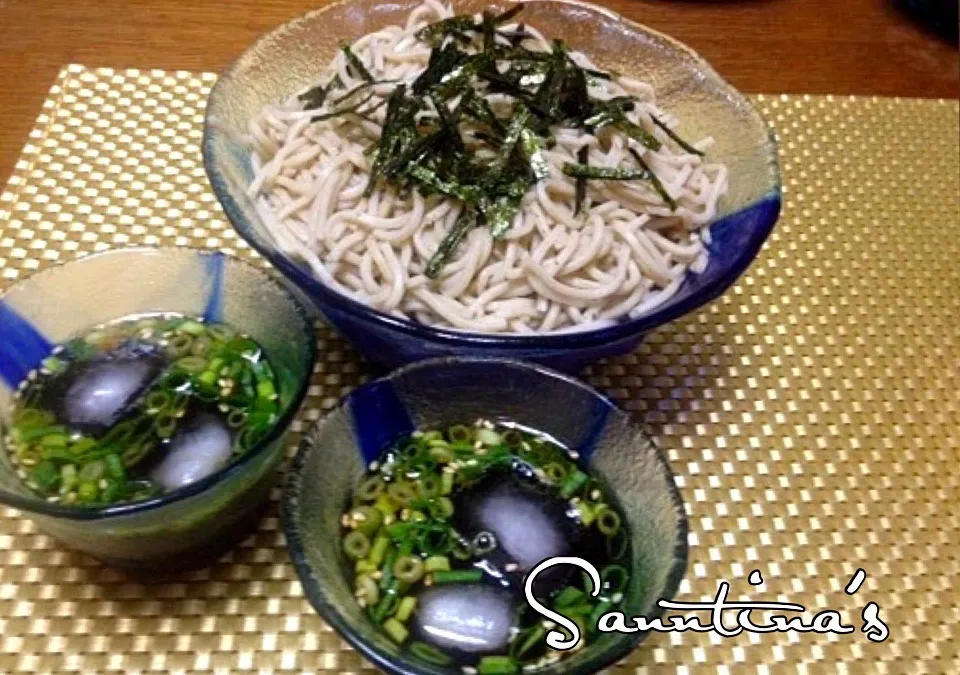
[(140, 407), (444, 528)]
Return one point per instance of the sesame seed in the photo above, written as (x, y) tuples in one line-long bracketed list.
[(574, 454), (548, 624), (374, 466), (595, 495), (469, 670), (617, 597), (511, 567)]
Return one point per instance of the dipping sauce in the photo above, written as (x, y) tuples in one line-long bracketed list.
[(442, 531), (140, 407)]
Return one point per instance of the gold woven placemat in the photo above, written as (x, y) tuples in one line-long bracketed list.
[(811, 414)]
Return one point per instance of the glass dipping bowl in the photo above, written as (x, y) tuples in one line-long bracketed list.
[(436, 393), (291, 57), (194, 524)]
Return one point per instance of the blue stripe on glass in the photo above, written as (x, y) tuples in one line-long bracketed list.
[(598, 420), (22, 346), (213, 266), (379, 418)]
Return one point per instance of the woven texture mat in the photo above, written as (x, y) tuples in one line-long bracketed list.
[(812, 414)]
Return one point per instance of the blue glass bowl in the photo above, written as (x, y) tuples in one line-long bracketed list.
[(438, 392), (287, 59), (193, 524)]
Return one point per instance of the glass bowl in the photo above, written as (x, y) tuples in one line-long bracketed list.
[(334, 455), (191, 525), (288, 59)]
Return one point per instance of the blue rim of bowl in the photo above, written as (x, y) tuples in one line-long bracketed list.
[(770, 202), (44, 508), (314, 587)]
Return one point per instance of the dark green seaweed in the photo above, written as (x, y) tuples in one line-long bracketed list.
[(604, 173), (676, 139), (355, 63), (580, 190), (657, 185), (489, 169), (466, 222)]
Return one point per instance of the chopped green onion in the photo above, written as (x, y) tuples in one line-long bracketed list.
[(555, 472), (367, 590), (498, 665), (460, 434), (446, 482), (191, 327), (573, 483), (179, 345), (236, 418), (356, 545), (527, 640), (401, 493), (45, 475), (396, 631), (437, 563), (367, 519), (408, 569), (192, 364), (378, 551), (457, 576), (429, 653), (614, 578), (608, 522), (405, 608), (567, 597), (488, 436)]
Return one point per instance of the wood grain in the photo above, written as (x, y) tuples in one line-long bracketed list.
[(771, 46)]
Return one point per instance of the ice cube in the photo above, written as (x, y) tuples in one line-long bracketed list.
[(527, 525), (469, 618), (199, 449), (98, 393)]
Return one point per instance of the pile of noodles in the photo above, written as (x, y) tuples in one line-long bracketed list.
[(623, 254)]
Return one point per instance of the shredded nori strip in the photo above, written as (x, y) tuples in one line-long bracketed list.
[(442, 61), (657, 185), (532, 146), (466, 222), (422, 148), (604, 172), (342, 111), (358, 89), (580, 190), (676, 139), (355, 63), (313, 98)]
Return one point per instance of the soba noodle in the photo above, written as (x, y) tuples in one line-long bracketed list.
[(624, 254)]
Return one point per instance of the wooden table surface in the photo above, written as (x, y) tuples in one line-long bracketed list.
[(769, 46)]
